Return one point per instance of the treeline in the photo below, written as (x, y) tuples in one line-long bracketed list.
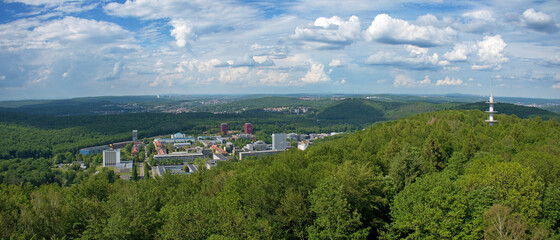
[(437, 175), (32, 143), (34, 136), (508, 108)]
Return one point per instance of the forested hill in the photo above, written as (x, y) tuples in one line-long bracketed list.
[(437, 175), (354, 110), (358, 110), (508, 108)]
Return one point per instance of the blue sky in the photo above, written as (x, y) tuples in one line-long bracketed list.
[(75, 48)]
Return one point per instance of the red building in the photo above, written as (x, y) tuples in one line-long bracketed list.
[(248, 128), (223, 129)]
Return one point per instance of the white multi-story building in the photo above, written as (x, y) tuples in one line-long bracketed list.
[(134, 135), (111, 157), (279, 141)]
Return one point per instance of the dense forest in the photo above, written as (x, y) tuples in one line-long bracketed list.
[(438, 175)]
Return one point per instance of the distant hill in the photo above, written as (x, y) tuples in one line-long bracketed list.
[(79, 106), (509, 109), (352, 110), (265, 102), (356, 110)]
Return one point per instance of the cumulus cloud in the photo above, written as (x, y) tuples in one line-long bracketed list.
[(553, 61), (477, 21), (336, 63), (177, 9), (189, 18), (460, 52), (234, 75), (248, 61), (271, 52), (63, 33), (316, 74), (181, 31), (330, 33), (389, 30), (405, 81), (418, 58), (539, 21), (556, 85), (273, 78), (431, 20), (50, 49), (449, 82), (490, 53)]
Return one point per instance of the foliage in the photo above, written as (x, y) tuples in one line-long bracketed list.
[(435, 175)]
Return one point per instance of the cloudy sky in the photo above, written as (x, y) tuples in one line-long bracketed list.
[(74, 48)]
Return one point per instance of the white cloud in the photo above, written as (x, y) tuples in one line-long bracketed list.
[(389, 30), (61, 6), (419, 58), (40, 2), (553, 61), (204, 11), (426, 81), (330, 33), (460, 52), (402, 80), (539, 21), (79, 31), (53, 48), (273, 78), (477, 21), (316, 74), (201, 66), (405, 81), (113, 74), (2, 77), (181, 31), (336, 63), (69, 31), (233, 75), (449, 82), (490, 53), (431, 20)]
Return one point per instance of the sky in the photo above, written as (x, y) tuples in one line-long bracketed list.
[(52, 49)]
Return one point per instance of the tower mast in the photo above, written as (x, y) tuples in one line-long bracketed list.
[(491, 111)]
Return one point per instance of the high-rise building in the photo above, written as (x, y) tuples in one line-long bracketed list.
[(111, 157), (248, 128), (279, 141), (223, 129), (134, 135)]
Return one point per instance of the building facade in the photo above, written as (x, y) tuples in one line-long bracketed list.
[(279, 142), (224, 129), (111, 157), (134, 135), (93, 150), (248, 128), (180, 155)]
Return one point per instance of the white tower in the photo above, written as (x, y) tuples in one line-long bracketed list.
[(491, 109)]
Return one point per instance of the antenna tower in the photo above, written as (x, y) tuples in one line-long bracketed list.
[(491, 111)]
